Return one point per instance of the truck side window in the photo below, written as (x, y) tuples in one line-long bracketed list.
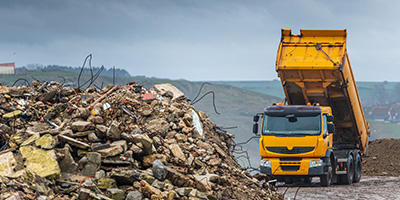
[(324, 124)]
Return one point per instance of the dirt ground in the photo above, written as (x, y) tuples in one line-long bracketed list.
[(383, 158), (380, 177), (370, 187)]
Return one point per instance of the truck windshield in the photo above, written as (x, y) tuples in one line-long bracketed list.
[(292, 126)]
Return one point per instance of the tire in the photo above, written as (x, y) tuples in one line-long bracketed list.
[(357, 168), (348, 177), (326, 179)]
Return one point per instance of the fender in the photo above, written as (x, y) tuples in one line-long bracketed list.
[(328, 153), (329, 156)]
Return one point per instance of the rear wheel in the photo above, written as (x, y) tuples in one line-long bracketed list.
[(357, 168), (348, 177)]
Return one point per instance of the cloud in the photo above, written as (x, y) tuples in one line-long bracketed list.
[(195, 40)]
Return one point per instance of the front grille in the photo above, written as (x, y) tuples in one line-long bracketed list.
[(290, 159), (290, 168), (285, 150), (289, 163)]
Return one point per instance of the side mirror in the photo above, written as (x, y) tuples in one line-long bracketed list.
[(256, 118), (330, 118), (331, 128), (255, 128)]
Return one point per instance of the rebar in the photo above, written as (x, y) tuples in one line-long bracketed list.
[(22, 79)]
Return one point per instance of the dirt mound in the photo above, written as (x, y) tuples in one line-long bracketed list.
[(383, 158)]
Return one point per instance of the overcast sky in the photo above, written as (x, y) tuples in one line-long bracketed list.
[(194, 40)]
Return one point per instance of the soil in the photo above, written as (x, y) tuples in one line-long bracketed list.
[(370, 187), (380, 178), (383, 158)]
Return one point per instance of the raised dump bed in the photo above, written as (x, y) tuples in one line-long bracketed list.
[(314, 68)]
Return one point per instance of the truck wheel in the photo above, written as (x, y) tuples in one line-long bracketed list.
[(348, 177), (357, 168), (326, 179)]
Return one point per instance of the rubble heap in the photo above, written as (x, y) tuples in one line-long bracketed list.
[(124, 142)]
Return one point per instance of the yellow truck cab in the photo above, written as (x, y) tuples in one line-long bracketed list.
[(322, 130)]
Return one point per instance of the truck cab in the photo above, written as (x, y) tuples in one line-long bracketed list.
[(294, 139)]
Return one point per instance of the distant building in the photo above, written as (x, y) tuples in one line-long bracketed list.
[(21, 70), (7, 68), (378, 113)]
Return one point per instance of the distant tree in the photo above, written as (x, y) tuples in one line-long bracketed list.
[(34, 67), (385, 82), (106, 72), (396, 92), (380, 94)]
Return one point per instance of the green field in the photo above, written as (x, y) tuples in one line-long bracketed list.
[(381, 129)]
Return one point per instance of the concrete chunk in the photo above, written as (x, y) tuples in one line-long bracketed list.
[(31, 139), (149, 190), (176, 150), (116, 193), (106, 183), (92, 165), (159, 170), (111, 151), (46, 142), (42, 162), (81, 126), (162, 89), (134, 195), (7, 165), (67, 162), (158, 126)]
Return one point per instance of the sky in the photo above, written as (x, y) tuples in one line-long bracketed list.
[(197, 40)]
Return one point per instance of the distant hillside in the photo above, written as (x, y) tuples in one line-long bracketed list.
[(371, 93), (87, 69), (272, 88)]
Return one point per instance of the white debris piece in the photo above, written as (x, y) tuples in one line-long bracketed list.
[(197, 123)]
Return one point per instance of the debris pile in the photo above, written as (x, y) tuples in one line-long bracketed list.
[(124, 142), (383, 158)]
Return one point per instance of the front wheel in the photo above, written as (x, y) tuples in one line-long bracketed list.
[(326, 179)]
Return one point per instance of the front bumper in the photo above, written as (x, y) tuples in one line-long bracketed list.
[(298, 167)]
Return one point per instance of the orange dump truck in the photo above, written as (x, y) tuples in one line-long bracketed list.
[(320, 129)]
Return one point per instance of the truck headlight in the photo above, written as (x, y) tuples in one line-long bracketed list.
[(266, 163), (315, 163)]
